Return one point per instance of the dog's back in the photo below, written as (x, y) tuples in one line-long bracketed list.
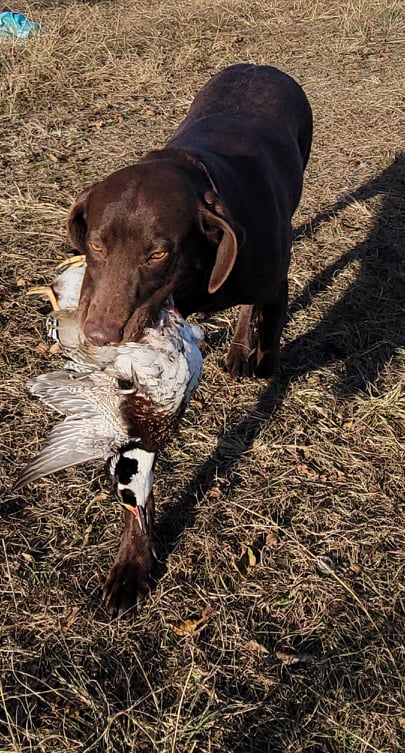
[(258, 118), (244, 96)]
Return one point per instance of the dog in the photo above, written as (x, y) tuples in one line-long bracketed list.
[(207, 219)]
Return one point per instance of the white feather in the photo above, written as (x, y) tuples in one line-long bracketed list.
[(141, 482)]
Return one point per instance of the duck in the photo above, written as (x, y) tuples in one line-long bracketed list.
[(120, 403)]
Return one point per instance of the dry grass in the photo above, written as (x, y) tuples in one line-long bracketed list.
[(292, 658)]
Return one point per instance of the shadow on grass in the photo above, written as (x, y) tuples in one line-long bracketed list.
[(363, 330)]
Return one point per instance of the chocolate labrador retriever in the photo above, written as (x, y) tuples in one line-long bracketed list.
[(208, 219)]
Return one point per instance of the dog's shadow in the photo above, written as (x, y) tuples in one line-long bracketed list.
[(363, 329)]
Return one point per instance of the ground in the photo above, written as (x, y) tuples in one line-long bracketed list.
[(292, 653)]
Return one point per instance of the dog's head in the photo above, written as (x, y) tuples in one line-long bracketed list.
[(147, 231)]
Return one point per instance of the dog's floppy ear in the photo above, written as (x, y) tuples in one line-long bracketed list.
[(219, 230), (76, 223)]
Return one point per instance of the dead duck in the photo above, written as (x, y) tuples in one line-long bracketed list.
[(121, 403)]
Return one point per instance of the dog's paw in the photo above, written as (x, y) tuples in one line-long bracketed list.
[(129, 578), (265, 363), (238, 361)]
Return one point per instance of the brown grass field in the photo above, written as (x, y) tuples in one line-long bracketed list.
[(262, 480)]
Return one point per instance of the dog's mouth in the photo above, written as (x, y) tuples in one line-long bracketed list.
[(145, 318), (135, 326), (102, 331), (119, 324)]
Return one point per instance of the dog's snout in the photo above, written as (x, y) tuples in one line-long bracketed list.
[(99, 332)]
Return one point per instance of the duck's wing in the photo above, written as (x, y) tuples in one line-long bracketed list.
[(93, 427), (70, 443), (63, 391)]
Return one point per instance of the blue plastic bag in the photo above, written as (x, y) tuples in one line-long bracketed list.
[(17, 25)]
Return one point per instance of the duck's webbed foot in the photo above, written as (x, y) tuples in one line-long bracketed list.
[(71, 261), (45, 291)]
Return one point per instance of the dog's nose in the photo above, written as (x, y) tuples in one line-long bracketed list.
[(99, 332)]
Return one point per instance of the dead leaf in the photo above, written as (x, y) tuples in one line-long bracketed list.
[(288, 659), (71, 711), (249, 559), (252, 558), (193, 624), (215, 492), (41, 349), (306, 472), (20, 282), (100, 497), (271, 539), (257, 648), (356, 568), (71, 619), (341, 477), (96, 124)]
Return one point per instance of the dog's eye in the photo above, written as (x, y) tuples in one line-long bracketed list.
[(157, 255), (95, 248)]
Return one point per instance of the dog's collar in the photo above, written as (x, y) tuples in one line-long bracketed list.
[(193, 159), (205, 170)]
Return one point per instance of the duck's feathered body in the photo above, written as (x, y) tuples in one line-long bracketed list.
[(121, 403), (164, 366)]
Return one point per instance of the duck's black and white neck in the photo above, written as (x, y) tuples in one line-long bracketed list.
[(132, 473)]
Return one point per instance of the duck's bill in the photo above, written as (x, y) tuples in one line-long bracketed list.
[(140, 513)]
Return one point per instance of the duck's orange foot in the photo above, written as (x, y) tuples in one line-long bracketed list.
[(71, 261), (44, 291)]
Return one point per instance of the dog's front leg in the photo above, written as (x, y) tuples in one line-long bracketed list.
[(271, 320), (129, 578), (238, 357)]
